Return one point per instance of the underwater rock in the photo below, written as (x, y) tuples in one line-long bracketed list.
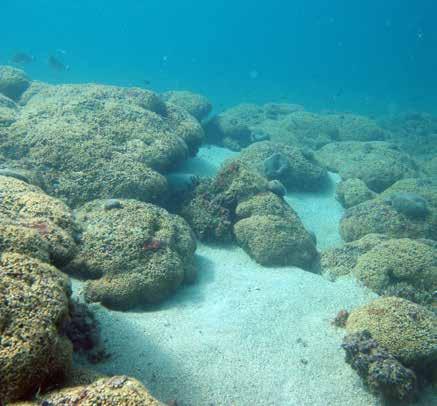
[(353, 127), (114, 141), (276, 187), (378, 164), (398, 260), (117, 390), (33, 304), (352, 191), (405, 329), (197, 105), (259, 135), (27, 206), (380, 370), (293, 167), (289, 243), (340, 261), (136, 255), (228, 132), (83, 331), (377, 216), (112, 204), (13, 82), (275, 166), (410, 204), (8, 111)]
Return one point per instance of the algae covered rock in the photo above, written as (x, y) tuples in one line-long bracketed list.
[(196, 104), (33, 307), (95, 141), (8, 111), (13, 82), (136, 254), (295, 169), (352, 191), (379, 216), (340, 261), (353, 127), (117, 390), (380, 370), (399, 260), (378, 164), (48, 221), (405, 329), (271, 232)]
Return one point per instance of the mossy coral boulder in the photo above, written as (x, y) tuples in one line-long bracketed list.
[(353, 127), (379, 216), (297, 170), (196, 104), (13, 82), (94, 141), (33, 307), (8, 111), (117, 390), (351, 192), (137, 253), (405, 329), (399, 260), (27, 206), (288, 242), (378, 164)]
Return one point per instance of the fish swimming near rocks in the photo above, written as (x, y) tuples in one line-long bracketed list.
[(57, 65), (22, 58)]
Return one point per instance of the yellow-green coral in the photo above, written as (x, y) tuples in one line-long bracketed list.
[(139, 252), (407, 330), (33, 306), (117, 390)]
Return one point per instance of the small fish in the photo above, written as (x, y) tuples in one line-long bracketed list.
[(21, 58), (56, 64), (147, 82)]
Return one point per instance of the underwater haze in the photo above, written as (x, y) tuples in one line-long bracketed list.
[(370, 55), (218, 203)]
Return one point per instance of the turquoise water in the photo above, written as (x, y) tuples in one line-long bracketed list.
[(367, 56)]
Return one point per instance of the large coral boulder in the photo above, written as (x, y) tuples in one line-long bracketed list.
[(296, 169), (196, 104), (33, 222), (379, 216), (351, 192), (33, 307), (117, 390), (13, 82), (94, 141), (378, 164), (272, 233), (137, 253), (399, 261), (405, 329)]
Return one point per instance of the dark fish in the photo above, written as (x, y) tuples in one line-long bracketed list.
[(21, 58), (147, 82), (56, 64)]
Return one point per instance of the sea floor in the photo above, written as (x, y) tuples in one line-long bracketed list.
[(244, 334)]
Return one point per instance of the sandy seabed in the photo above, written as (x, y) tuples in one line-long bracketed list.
[(244, 334)]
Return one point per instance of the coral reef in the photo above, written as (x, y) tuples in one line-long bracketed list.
[(136, 254), (289, 243), (117, 390), (46, 223), (382, 372), (197, 105), (351, 192), (13, 82), (378, 164), (296, 169), (405, 329), (33, 306), (114, 141)]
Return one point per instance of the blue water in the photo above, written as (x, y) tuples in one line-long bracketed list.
[(370, 56)]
